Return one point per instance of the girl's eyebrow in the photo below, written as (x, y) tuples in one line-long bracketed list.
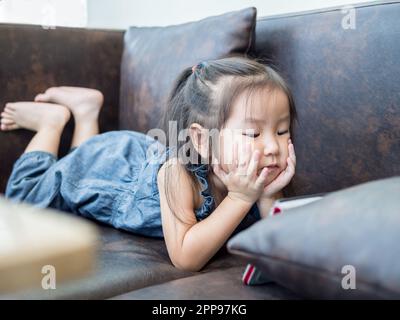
[(253, 120), (284, 118), (281, 119)]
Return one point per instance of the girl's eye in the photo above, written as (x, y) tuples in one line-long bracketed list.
[(251, 135), (255, 135)]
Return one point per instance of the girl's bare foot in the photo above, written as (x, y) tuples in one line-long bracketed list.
[(84, 103), (34, 116)]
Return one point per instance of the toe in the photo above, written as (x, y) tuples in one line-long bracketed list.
[(6, 115), (69, 88), (52, 90), (9, 109), (9, 106), (44, 97), (8, 127), (7, 121), (38, 97)]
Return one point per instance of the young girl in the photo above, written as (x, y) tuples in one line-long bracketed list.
[(118, 177)]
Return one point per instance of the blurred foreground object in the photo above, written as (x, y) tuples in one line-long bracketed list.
[(40, 248)]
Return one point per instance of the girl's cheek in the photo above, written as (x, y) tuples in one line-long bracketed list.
[(285, 150)]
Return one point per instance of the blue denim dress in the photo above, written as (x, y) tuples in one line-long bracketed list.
[(111, 178)]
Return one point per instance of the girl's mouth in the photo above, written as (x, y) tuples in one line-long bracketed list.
[(271, 169)]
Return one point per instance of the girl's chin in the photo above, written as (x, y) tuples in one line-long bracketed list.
[(271, 177), (272, 173)]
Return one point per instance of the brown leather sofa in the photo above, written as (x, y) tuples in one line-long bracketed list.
[(346, 86)]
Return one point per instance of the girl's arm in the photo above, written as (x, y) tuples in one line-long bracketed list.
[(192, 244), (265, 204), (202, 241)]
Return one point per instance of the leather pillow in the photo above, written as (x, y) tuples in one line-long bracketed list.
[(154, 56), (350, 237)]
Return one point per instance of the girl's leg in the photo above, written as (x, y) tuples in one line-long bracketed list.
[(84, 104), (47, 119)]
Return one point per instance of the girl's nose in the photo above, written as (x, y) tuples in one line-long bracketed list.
[(271, 147)]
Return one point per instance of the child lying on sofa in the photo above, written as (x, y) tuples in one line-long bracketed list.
[(195, 202)]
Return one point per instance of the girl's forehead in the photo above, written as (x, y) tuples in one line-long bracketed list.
[(268, 103)]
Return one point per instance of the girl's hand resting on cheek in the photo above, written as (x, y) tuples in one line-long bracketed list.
[(242, 181), (283, 179)]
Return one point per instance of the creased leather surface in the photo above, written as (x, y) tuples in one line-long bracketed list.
[(33, 59), (344, 82), (125, 263), (219, 284)]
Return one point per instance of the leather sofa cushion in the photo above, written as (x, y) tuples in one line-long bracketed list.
[(316, 248), (219, 284), (153, 57), (126, 262)]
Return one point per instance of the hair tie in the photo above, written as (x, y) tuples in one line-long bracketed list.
[(199, 66)]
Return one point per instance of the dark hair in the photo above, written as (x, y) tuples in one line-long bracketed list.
[(204, 94)]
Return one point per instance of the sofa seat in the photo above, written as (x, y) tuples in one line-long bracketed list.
[(213, 285), (127, 262)]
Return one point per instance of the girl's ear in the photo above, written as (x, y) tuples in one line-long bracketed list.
[(199, 137)]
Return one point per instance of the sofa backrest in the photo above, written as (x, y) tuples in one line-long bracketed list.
[(347, 90), (345, 83)]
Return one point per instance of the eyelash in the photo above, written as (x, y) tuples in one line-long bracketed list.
[(257, 134)]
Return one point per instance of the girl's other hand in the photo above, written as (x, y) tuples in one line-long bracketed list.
[(242, 181), (283, 179)]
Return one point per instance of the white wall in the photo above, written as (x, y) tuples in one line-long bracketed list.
[(119, 14), (48, 13)]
